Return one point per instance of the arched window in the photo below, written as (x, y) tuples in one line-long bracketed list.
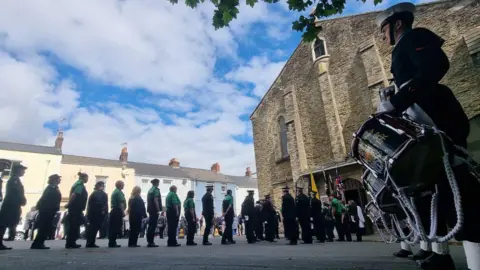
[(283, 136), (319, 49)]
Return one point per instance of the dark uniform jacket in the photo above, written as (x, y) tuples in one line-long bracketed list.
[(303, 207), (248, 208), (137, 210), (49, 203), (12, 203), (269, 212), (289, 210), (418, 56), (316, 206), (97, 207), (207, 205)]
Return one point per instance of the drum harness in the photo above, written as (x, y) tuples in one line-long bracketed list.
[(409, 207)]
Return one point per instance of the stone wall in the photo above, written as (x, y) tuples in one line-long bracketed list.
[(325, 101)]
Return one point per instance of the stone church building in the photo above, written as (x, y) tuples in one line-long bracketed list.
[(329, 87)]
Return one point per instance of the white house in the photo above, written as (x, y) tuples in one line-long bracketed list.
[(243, 184), (168, 176)]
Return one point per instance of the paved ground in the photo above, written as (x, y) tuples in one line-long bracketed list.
[(366, 255)]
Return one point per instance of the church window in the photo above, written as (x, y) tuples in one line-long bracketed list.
[(319, 49), (283, 136)]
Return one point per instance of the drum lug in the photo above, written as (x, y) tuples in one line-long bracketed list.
[(354, 135)]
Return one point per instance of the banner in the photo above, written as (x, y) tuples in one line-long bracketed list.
[(314, 185)]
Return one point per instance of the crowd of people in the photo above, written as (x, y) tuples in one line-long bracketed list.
[(118, 217)]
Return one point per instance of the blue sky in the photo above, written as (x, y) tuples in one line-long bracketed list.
[(156, 76)]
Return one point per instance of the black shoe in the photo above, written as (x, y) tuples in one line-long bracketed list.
[(402, 253), (174, 245), (113, 246), (207, 243), (421, 255), (152, 245), (437, 261), (292, 243), (133, 246), (91, 246), (191, 244), (39, 247), (225, 243), (2, 247), (308, 242), (232, 241), (73, 246), (252, 242)]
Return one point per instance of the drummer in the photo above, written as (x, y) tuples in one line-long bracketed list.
[(418, 64)]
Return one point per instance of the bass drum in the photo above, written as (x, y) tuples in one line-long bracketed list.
[(410, 153), (381, 194)]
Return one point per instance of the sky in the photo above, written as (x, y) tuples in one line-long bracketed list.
[(144, 72)]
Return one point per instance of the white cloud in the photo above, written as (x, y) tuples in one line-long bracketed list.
[(144, 44), (259, 71)]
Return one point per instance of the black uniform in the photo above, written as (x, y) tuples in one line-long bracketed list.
[(208, 214), (117, 204), (289, 213), (270, 217), (153, 193), (248, 209), (11, 206), (259, 220), (228, 215), (47, 206), (318, 219), (418, 56), (303, 214), (97, 210), (136, 214), (75, 217)]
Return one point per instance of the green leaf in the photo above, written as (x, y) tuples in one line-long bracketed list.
[(227, 18), (192, 3), (251, 2)]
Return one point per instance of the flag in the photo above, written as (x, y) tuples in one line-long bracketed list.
[(314, 186)]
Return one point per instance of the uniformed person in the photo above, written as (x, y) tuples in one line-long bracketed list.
[(191, 217), (4, 165), (208, 213), (136, 213), (418, 64), (228, 214), (248, 214), (270, 219), (97, 210), (289, 213), (259, 220), (76, 205), (154, 207), (317, 217), (173, 205), (303, 214), (117, 212), (13, 202), (47, 207)]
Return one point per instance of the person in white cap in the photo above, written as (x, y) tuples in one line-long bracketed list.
[(418, 64)]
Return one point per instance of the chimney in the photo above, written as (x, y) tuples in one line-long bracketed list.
[(124, 156), (59, 142), (174, 163), (215, 167), (248, 172)]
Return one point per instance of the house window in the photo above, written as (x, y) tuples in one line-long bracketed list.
[(145, 185), (102, 178), (6, 172), (319, 49), (283, 136), (224, 188), (167, 182)]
